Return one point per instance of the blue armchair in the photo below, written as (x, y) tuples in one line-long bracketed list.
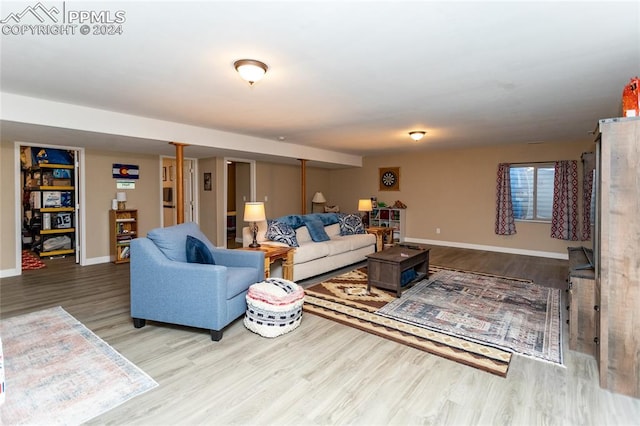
[(167, 288)]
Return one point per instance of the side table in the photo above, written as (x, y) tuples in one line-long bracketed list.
[(381, 232), (273, 253)]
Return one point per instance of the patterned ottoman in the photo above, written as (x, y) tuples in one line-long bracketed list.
[(274, 307)]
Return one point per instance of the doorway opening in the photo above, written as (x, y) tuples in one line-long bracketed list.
[(168, 188), (240, 187), (49, 224)]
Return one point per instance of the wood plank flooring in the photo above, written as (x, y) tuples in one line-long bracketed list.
[(323, 373)]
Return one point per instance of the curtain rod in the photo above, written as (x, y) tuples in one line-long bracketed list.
[(535, 162)]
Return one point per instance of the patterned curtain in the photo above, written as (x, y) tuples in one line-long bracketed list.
[(564, 221), (505, 223), (588, 166)]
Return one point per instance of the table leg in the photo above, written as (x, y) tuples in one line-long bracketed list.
[(267, 267), (287, 266)]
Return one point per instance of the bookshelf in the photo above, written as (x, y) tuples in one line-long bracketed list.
[(123, 225), (389, 218)]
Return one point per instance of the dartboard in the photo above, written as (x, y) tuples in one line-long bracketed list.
[(389, 178)]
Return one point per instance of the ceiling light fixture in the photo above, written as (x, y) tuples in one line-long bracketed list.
[(416, 135), (250, 70)]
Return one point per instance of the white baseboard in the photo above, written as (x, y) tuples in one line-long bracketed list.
[(510, 250), (97, 260), (6, 273)]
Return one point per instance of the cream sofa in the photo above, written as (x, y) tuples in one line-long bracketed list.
[(313, 258)]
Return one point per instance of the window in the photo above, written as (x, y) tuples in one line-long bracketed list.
[(532, 191)]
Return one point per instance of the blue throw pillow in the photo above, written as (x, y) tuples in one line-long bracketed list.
[(198, 252), (350, 224), (281, 232), (316, 230)]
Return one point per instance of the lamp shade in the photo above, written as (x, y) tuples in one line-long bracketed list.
[(318, 198), (365, 205), (121, 196), (254, 211)]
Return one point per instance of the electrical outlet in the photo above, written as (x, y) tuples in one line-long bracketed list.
[(266, 198), (244, 198), (437, 230)]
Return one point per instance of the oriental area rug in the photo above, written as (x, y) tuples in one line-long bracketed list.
[(506, 313), (344, 299), (58, 372)]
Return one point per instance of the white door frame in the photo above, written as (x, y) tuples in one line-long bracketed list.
[(194, 188), (80, 224)]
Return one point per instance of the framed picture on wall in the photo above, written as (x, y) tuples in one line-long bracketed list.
[(207, 181), (164, 174)]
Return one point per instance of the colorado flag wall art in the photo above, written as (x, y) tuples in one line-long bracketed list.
[(125, 171)]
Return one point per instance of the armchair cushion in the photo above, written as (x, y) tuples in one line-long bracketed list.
[(198, 252), (172, 240)]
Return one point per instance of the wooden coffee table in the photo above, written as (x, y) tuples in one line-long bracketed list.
[(273, 253), (385, 268)]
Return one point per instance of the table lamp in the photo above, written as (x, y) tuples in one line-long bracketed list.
[(254, 212), (365, 205), (318, 198), (121, 197)]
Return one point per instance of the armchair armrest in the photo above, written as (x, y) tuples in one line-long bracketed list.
[(239, 258)]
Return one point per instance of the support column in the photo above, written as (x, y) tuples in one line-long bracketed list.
[(303, 179), (179, 181)]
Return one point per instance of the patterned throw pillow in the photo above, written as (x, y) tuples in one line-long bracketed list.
[(281, 232), (350, 224)]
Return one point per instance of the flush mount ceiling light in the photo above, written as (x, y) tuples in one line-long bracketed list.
[(250, 70), (416, 135)]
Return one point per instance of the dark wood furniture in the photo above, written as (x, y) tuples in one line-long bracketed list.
[(385, 268), (582, 301), (616, 255)]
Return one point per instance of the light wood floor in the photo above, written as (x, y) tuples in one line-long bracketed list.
[(323, 373)]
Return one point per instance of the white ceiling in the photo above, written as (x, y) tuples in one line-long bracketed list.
[(353, 77)]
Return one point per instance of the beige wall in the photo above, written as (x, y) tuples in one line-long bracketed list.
[(7, 206), (281, 184), (454, 190), (208, 200), (101, 189)]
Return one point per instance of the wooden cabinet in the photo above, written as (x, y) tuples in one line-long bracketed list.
[(50, 200), (123, 225), (389, 218), (582, 302), (617, 260)]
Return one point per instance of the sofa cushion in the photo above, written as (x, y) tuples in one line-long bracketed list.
[(310, 251), (282, 233), (359, 241), (332, 230), (339, 245), (198, 252), (303, 236), (316, 229), (172, 240), (350, 224)]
